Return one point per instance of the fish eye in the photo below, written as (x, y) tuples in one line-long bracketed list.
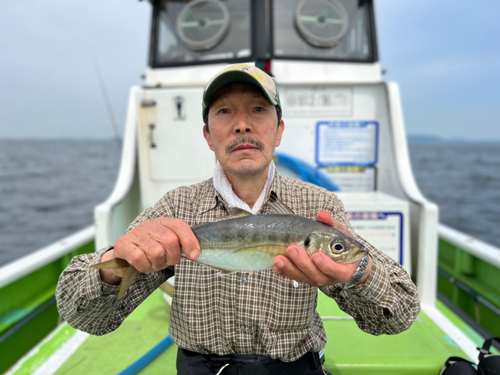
[(337, 246)]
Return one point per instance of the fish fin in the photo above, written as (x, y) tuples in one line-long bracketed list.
[(127, 280), (167, 288), (281, 208), (111, 264), (235, 212), (276, 249)]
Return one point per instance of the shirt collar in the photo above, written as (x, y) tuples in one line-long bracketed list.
[(210, 198)]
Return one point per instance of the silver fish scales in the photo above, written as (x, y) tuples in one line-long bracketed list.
[(250, 243)]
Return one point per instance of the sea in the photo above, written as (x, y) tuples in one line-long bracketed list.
[(48, 189)]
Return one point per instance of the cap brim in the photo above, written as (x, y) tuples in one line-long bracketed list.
[(234, 76)]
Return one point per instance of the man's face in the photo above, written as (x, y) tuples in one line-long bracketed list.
[(244, 130)]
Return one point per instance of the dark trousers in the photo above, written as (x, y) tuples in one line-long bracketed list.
[(191, 363)]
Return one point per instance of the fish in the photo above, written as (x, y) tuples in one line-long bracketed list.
[(250, 243)]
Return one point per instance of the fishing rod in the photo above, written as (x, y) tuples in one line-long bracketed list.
[(107, 102)]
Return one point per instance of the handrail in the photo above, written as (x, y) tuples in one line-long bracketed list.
[(21, 267), (481, 250), (428, 215), (306, 171), (125, 179)]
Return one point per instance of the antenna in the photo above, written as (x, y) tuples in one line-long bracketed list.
[(107, 102)]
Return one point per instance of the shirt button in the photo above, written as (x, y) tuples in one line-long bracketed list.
[(369, 293), (243, 327), (244, 279)]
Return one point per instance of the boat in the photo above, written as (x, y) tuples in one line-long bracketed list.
[(325, 61)]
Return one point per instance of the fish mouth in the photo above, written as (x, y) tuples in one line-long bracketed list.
[(244, 143), (356, 255)]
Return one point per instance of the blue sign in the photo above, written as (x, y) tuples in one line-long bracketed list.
[(347, 143)]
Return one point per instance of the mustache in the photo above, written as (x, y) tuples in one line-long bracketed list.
[(244, 139)]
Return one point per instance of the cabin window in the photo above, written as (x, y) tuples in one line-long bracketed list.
[(322, 29), (202, 31)]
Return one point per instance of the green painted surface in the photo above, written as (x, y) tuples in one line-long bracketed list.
[(17, 345), (45, 351), (19, 299), (112, 353), (483, 278), (464, 327), (460, 324), (422, 349), (29, 292)]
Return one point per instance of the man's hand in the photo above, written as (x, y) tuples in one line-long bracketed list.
[(319, 269), (152, 246)]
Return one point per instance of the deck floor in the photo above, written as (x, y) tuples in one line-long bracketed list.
[(423, 349)]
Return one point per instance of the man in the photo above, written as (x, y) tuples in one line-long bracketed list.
[(251, 322)]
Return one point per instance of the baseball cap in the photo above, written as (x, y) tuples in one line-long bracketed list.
[(241, 73)]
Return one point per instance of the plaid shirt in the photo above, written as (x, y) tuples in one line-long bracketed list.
[(258, 313)]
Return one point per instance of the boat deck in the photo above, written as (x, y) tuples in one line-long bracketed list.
[(423, 349)]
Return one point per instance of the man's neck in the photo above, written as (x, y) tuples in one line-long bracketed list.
[(248, 189)]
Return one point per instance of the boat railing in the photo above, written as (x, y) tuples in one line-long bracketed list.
[(475, 247), (22, 267), (106, 214), (424, 214)]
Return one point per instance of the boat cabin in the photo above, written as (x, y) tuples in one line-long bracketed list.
[(343, 123)]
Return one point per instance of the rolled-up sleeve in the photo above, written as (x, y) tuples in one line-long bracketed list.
[(388, 302), (92, 306)]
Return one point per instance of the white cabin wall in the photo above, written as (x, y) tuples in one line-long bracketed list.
[(181, 155)]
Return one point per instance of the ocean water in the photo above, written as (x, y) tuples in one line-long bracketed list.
[(48, 189), (464, 180)]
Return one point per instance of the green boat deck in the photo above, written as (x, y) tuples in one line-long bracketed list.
[(423, 349)]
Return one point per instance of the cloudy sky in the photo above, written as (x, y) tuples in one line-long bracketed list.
[(445, 55)]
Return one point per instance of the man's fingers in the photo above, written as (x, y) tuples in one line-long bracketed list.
[(154, 252), (303, 262), (300, 267), (132, 253), (172, 247), (339, 272), (185, 236), (325, 217), (285, 267)]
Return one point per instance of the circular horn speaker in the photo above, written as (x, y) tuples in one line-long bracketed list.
[(321, 23), (202, 24)]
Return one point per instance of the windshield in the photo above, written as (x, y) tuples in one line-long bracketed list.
[(324, 29), (202, 30), (231, 31)]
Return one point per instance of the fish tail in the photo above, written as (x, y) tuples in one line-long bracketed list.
[(127, 279), (111, 264)]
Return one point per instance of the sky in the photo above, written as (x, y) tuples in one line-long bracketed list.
[(444, 54)]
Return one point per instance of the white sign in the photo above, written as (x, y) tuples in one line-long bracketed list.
[(346, 143), (318, 102), (383, 230), (352, 178)]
